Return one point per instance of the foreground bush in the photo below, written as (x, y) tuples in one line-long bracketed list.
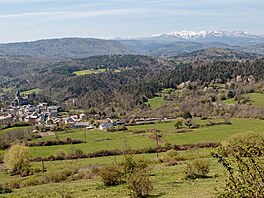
[(237, 144), (244, 166), (17, 160), (197, 169), (135, 173), (137, 176), (139, 183), (111, 175)]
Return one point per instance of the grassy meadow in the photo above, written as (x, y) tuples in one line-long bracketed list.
[(31, 91), (88, 72), (155, 102), (256, 99), (169, 181)]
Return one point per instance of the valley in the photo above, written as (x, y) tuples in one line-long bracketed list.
[(88, 117)]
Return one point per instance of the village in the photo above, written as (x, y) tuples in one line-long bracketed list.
[(51, 118)]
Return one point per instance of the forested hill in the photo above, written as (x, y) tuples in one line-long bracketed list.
[(66, 48), (218, 54), (138, 78), (123, 81)]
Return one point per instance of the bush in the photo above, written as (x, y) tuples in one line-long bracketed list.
[(171, 157), (237, 144), (60, 155), (130, 165), (32, 182), (58, 176), (241, 156), (178, 124), (137, 174), (139, 183), (4, 189), (197, 169), (17, 160), (111, 175)]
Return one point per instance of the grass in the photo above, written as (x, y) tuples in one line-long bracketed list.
[(205, 134), (229, 101), (5, 131), (99, 140), (96, 140), (30, 91), (168, 181), (256, 98), (156, 102), (88, 72)]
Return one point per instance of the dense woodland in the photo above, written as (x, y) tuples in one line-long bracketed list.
[(138, 79)]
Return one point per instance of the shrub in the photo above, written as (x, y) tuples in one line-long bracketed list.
[(130, 165), (186, 115), (171, 157), (178, 124), (244, 166), (111, 175), (17, 160), (137, 174), (4, 189), (32, 182), (58, 176), (197, 169), (60, 155), (249, 141), (139, 183)]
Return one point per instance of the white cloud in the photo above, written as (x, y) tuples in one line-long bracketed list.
[(75, 14)]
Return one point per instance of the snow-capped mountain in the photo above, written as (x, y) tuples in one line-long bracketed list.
[(187, 41), (203, 34), (231, 38)]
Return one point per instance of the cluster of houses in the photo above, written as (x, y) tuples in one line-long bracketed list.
[(48, 117)]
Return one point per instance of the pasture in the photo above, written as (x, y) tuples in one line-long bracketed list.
[(169, 181), (256, 98), (88, 72), (31, 91), (156, 102)]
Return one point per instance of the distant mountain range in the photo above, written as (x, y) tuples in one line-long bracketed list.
[(66, 48), (171, 44), (230, 38)]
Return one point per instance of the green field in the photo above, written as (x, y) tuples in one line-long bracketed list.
[(30, 91), (96, 140), (5, 131), (156, 102), (229, 101), (100, 140), (169, 181), (88, 72), (256, 98)]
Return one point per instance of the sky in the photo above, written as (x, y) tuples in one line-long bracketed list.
[(27, 20)]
